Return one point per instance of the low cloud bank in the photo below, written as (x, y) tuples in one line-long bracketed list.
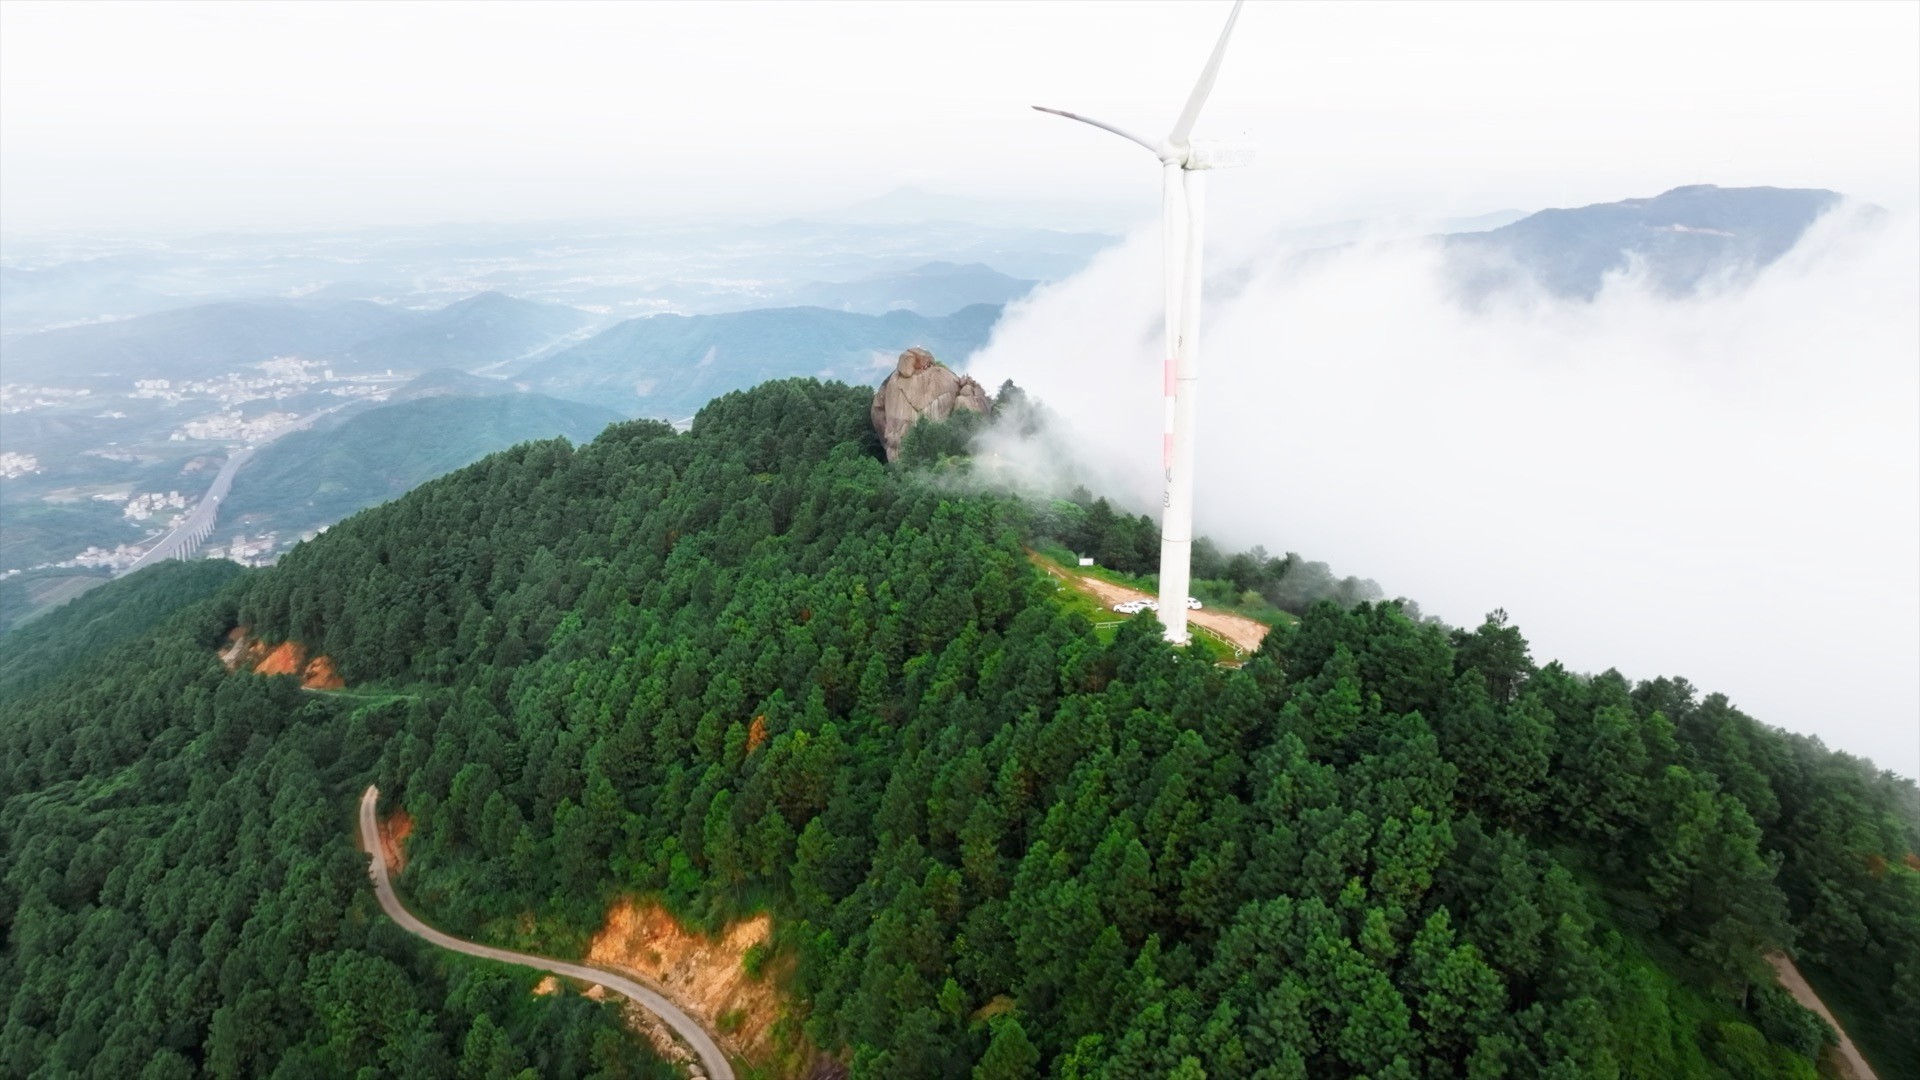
[(1724, 486)]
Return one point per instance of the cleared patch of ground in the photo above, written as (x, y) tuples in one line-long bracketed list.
[(709, 978), (286, 658), (1243, 633), (320, 675)]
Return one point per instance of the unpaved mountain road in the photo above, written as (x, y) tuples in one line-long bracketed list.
[(683, 1025), (1796, 984)]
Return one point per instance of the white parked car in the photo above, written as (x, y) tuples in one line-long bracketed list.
[(1193, 604)]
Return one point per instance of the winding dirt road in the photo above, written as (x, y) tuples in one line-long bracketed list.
[(703, 1045), (1797, 985)]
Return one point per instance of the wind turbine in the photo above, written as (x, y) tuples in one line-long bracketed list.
[(1183, 162)]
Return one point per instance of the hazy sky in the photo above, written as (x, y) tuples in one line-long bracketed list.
[(343, 113)]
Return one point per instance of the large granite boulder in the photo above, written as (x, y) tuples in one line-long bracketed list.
[(921, 386)]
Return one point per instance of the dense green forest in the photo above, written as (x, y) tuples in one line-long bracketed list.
[(753, 668), (106, 616), (182, 896)]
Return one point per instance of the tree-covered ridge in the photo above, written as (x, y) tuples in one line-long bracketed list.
[(116, 612), (182, 897), (751, 667), (311, 479)]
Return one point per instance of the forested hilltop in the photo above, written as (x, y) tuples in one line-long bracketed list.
[(752, 668)]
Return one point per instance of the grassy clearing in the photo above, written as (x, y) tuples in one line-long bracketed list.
[(1104, 621)]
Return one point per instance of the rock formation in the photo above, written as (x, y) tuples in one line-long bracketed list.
[(920, 386)]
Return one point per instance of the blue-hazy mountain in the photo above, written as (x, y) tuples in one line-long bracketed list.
[(1681, 238), (198, 342), (670, 365), (209, 339), (312, 478), (485, 329), (935, 288), (32, 298), (448, 382)]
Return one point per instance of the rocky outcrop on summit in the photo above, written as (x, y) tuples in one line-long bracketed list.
[(920, 386)]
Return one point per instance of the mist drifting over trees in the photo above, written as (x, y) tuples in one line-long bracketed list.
[(1658, 481)]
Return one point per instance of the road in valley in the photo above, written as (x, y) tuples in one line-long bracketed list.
[(193, 531), (188, 535), (715, 1062)]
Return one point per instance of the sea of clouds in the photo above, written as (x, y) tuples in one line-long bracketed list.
[(1723, 486)]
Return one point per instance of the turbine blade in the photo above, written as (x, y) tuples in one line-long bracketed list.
[(1183, 127), (1099, 124)]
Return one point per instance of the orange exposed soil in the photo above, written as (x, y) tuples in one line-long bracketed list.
[(1245, 633), (286, 658), (321, 676), (393, 837), (707, 978)]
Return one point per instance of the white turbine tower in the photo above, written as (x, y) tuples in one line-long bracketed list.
[(1184, 162)]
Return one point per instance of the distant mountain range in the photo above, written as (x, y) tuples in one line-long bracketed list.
[(312, 478), (936, 288), (486, 329), (210, 339), (670, 365), (1680, 238), (446, 382), (76, 292), (197, 342)]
